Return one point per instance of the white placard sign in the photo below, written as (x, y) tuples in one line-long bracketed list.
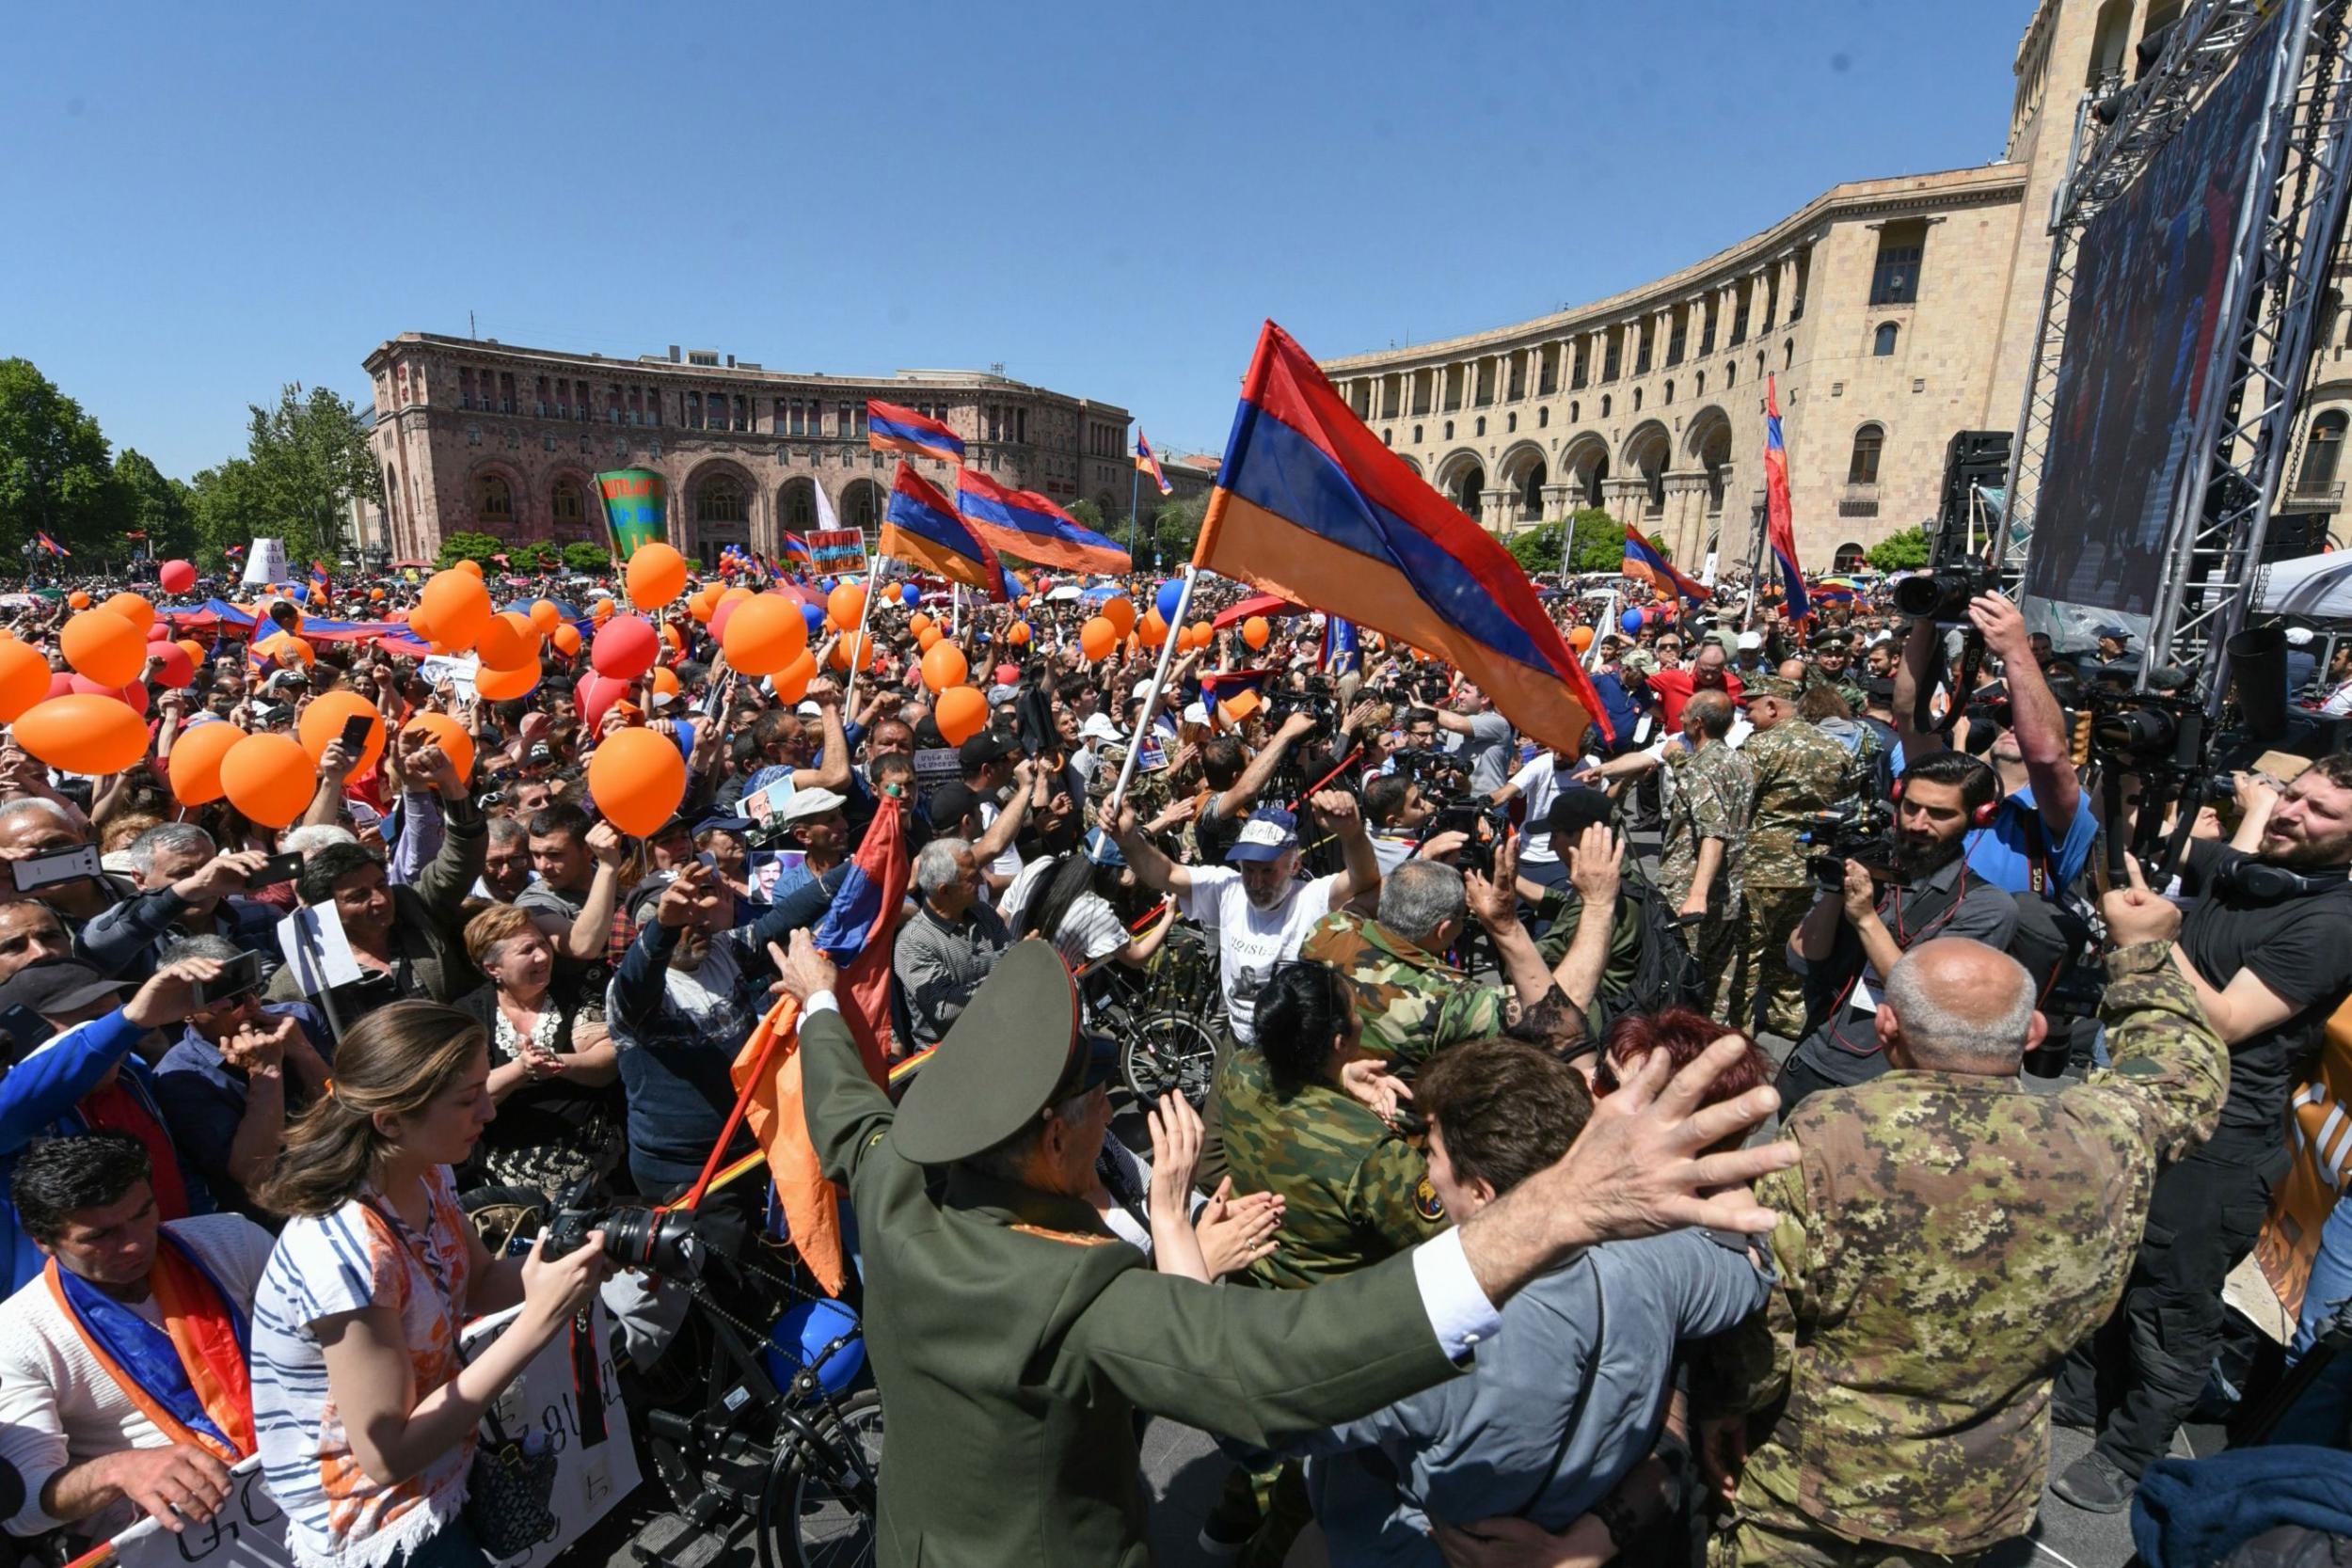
[(316, 948), (455, 669), (1707, 571), (249, 1531), (266, 561)]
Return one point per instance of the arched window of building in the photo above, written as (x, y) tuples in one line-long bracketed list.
[(1787, 353), (1667, 393), (1387, 436), (1698, 388), (1481, 425), (1637, 399), (1883, 344), (1510, 423), (722, 501), (1531, 492), (1417, 436), (1448, 430), (1576, 412), (1543, 417), (571, 513), (493, 501), (1604, 405), (1467, 485), (1864, 470), (1849, 558), (1731, 372), (2323, 450)]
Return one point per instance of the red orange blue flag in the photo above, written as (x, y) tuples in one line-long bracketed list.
[(1310, 506), (1780, 530), (1148, 462), (1647, 562), (920, 526), (50, 544), (1024, 523), (891, 428), (793, 547)]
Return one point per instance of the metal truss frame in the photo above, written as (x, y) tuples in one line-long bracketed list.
[(2291, 216)]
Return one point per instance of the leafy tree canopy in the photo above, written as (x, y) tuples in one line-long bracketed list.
[(1900, 552), (57, 475)]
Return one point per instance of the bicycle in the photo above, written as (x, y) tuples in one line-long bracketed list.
[(1168, 1038)]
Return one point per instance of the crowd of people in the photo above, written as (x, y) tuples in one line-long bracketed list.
[(1484, 1245)]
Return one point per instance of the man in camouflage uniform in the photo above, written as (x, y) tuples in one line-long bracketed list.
[(1708, 790), (1832, 665), (1800, 773), (1943, 1241)]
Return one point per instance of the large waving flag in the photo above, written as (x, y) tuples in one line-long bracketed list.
[(795, 548), (1232, 695), (42, 539), (1310, 506), (1646, 561), (1149, 464), (856, 934), (891, 428), (1780, 529), (921, 527), (1024, 523), (1342, 649)]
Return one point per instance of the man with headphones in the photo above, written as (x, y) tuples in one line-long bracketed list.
[(2268, 948), (1861, 924)]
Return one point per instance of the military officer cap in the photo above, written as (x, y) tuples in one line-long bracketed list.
[(1767, 686), (1014, 1052), (1833, 643)]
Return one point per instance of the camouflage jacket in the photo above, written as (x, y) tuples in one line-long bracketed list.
[(1413, 1003), (1845, 685), (1942, 1243), (1353, 1191), (1799, 772), (1707, 795)]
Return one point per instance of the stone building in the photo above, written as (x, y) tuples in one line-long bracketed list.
[(482, 437), (1895, 312)]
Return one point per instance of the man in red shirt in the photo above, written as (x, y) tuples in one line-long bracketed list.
[(1709, 671)]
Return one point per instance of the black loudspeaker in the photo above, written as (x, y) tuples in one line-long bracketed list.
[(2257, 662), (1973, 457), (2293, 533)]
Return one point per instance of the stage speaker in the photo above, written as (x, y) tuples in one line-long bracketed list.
[(2295, 532)]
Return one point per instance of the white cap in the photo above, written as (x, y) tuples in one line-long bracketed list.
[(2300, 637), (1143, 690), (1195, 714), (1099, 727), (803, 803), (1750, 640)]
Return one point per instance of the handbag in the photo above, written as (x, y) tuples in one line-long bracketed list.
[(507, 1492)]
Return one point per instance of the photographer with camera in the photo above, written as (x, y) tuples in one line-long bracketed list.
[(2267, 948), (1863, 919)]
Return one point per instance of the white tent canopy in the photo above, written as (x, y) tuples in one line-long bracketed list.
[(2317, 587)]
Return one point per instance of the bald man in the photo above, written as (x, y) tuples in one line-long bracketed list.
[(1945, 1239)]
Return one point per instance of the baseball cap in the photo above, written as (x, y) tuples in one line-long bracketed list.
[(1750, 641), (1270, 833), (1142, 689), (999, 694), (49, 989), (949, 804), (1099, 727), (2122, 634), (804, 804), (2300, 637), (984, 747)]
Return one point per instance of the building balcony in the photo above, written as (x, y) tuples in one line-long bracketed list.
[(2314, 491)]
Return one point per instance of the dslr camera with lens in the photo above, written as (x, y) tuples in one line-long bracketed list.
[(658, 1241), (1859, 835), (1942, 593)]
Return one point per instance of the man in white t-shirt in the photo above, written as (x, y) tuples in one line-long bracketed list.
[(1260, 908), (1537, 783), (91, 1453)]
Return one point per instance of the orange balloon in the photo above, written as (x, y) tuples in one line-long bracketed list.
[(845, 604), (77, 600), (188, 645), (195, 766), (855, 650), (1019, 635), (792, 680), (269, 778), (656, 575), (543, 614), (1121, 613), (105, 647), (732, 595), (918, 623), (1579, 637), (457, 607), (23, 678), (675, 639), (499, 685), (1097, 638), (637, 779), (471, 567), (930, 638), (324, 721), (449, 735), (665, 681), (602, 613), (566, 638), (286, 650), (944, 666), (962, 714), (133, 608), (88, 734), (699, 605), (1151, 629), (509, 642), (764, 634), (1255, 632), (375, 595)]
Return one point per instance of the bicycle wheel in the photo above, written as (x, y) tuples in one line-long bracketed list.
[(818, 1512), (1169, 1050)]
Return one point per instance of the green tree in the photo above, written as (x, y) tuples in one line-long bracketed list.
[(1536, 550), (1176, 528), (1901, 552), (55, 475), (476, 548), (154, 505), (226, 508), (1086, 514), (310, 458), (539, 556), (587, 559)]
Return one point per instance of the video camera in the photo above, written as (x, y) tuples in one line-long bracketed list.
[(1859, 835), (1318, 702), (1427, 766), (1942, 593), (2142, 732), (1483, 825), (659, 1240)]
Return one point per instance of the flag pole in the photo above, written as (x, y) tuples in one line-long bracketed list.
[(1110, 818), (1135, 498), (866, 613)]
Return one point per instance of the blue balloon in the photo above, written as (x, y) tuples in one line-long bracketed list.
[(683, 738), (815, 615), (826, 585), (1631, 621), (1172, 594), (912, 595), (801, 1337)]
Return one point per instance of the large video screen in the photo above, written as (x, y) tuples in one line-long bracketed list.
[(2139, 340)]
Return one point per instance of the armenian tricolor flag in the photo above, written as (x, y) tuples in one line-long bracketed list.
[(321, 586), (891, 428), (1232, 695), (1149, 464), (1648, 562), (1024, 523), (1310, 506), (922, 528), (794, 547), (50, 544), (1342, 649), (1780, 530)]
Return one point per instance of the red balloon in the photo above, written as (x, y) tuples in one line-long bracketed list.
[(177, 577), (624, 648), (595, 694), (133, 696), (61, 684), (179, 669), (721, 616), (160, 631)]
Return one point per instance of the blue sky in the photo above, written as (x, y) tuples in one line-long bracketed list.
[(214, 200)]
